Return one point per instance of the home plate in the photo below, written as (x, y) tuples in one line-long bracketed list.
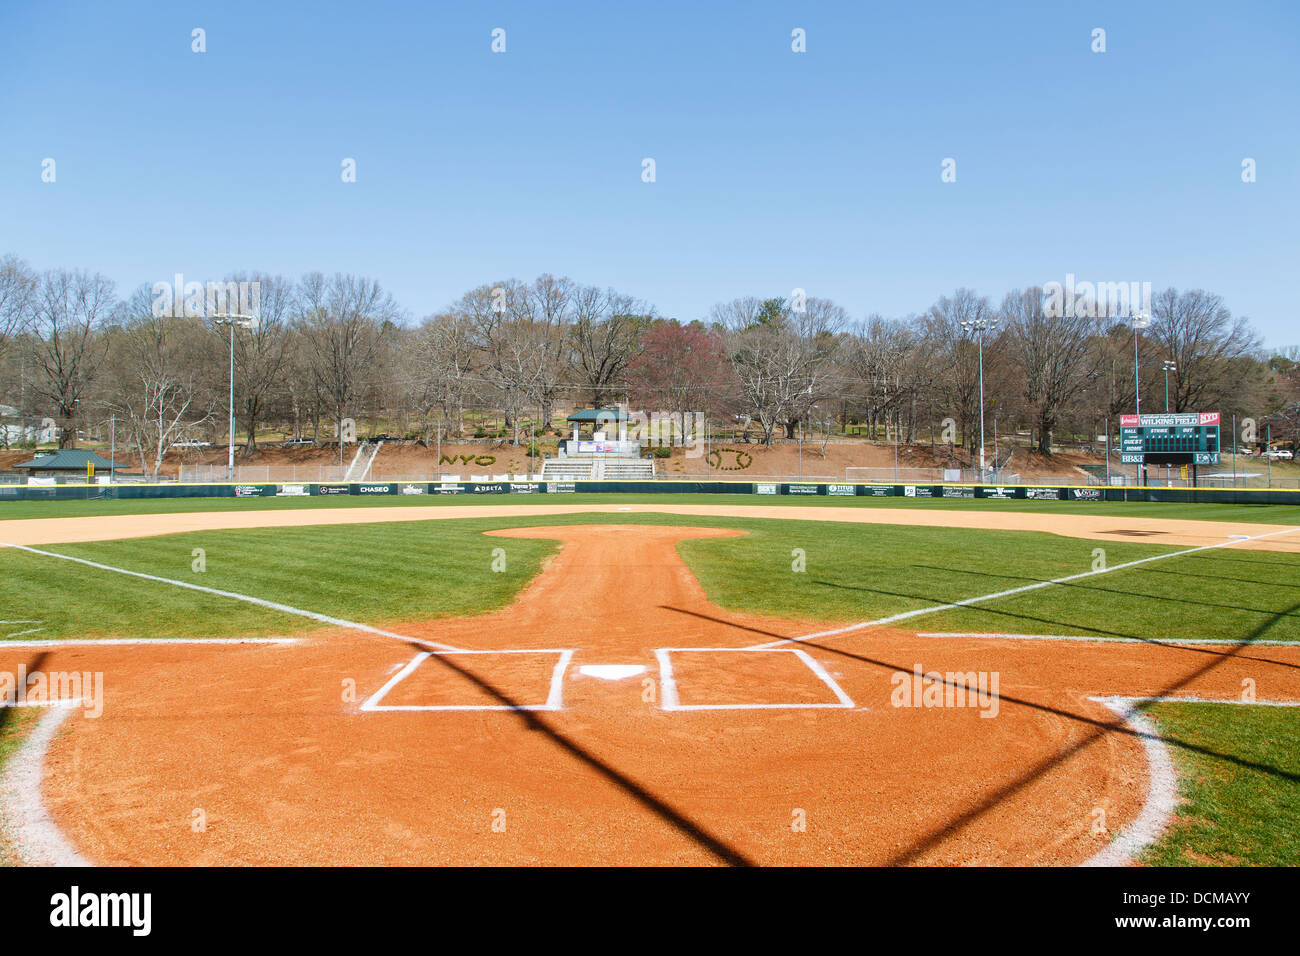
[(611, 671)]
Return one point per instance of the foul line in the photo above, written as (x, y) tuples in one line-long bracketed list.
[(967, 602), (260, 602), (1162, 790), (36, 836), (1098, 639)]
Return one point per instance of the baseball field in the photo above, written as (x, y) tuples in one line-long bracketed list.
[(620, 680)]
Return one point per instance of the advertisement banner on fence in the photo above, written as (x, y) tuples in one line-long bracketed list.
[(253, 491), (997, 492), (1087, 494), (878, 491), (765, 489), (489, 489), (841, 489), (958, 491), (333, 489), (561, 487), (1044, 494), (375, 489), (412, 489), (292, 491), (803, 489), (527, 488), (450, 488)]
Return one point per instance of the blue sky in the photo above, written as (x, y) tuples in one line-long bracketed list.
[(775, 170)]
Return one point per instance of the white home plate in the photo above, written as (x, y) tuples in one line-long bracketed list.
[(611, 671)]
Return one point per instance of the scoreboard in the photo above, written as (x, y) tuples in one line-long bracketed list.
[(1178, 438)]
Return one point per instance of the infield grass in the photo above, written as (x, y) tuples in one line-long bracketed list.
[(1247, 513), (390, 572)]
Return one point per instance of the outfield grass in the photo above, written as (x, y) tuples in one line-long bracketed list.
[(1239, 777), (390, 572), (1257, 514)]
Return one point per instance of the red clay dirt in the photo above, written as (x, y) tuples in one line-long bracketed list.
[(288, 769)]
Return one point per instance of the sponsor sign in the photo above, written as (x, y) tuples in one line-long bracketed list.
[(562, 487), (526, 488), (801, 490), (954, 491), (998, 492), (411, 490), (450, 488), (878, 491), (493, 489), (765, 489), (333, 490), (375, 489), (1086, 494), (1043, 494), (248, 491), (841, 489), (292, 491)]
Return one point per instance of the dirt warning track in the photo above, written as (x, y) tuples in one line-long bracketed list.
[(663, 737)]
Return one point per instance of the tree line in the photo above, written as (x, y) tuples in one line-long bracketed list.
[(331, 347)]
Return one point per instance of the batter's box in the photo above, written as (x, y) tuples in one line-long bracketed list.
[(476, 680), (733, 678)]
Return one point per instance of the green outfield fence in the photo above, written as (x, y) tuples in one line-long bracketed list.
[(95, 492)]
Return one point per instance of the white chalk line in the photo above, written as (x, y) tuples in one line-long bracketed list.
[(554, 696), (235, 595), (40, 842), (147, 641), (1162, 790), (967, 602), (669, 699), (1162, 780), (1097, 639)]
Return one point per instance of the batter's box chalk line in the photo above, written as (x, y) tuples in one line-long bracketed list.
[(554, 696), (670, 700)]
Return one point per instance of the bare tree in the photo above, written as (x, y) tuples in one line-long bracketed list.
[(153, 384), (607, 328), (343, 319), (1053, 355), (1214, 353), (69, 310), (17, 289)]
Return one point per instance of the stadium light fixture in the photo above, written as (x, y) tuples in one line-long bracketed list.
[(979, 327), (1169, 367), (244, 322)]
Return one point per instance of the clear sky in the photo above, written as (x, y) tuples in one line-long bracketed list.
[(774, 170)]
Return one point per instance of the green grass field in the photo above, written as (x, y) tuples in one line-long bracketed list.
[(390, 572), (1239, 766), (1266, 514), (1239, 777)]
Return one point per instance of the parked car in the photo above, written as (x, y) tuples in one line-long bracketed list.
[(1281, 454), (193, 444), (384, 436), (293, 442)]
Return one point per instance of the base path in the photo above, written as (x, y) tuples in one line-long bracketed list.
[(1180, 532), (355, 749)]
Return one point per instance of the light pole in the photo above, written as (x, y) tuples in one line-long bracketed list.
[(1169, 367), (245, 322), (979, 326), (1140, 321)]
